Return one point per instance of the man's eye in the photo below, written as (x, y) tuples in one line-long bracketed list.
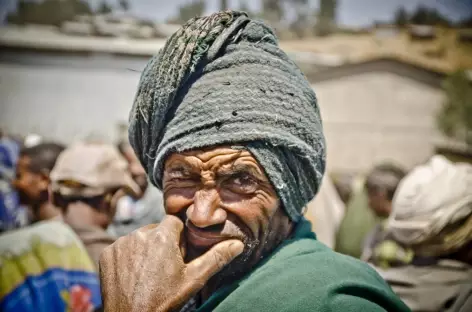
[(183, 180), (242, 180), (242, 184), (179, 174)]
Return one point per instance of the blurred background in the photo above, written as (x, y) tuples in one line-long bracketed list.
[(69, 68)]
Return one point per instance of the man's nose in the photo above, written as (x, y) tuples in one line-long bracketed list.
[(206, 210)]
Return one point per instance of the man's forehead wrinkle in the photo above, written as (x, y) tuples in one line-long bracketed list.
[(216, 162), (222, 159)]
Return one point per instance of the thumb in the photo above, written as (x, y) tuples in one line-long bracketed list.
[(215, 259)]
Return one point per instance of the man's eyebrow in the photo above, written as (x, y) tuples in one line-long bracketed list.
[(180, 167), (242, 168)]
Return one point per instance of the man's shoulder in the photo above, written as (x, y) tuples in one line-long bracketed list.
[(305, 275), (311, 260)]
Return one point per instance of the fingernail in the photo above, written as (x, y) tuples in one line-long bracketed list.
[(236, 247)]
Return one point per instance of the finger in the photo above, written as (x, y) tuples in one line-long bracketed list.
[(172, 227), (148, 227), (183, 246), (204, 267), (172, 222)]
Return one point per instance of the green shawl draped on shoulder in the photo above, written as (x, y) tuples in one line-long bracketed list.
[(305, 275)]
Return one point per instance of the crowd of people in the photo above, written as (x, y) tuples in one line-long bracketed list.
[(220, 202), (91, 193)]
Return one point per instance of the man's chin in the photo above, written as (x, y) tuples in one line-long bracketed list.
[(236, 268)]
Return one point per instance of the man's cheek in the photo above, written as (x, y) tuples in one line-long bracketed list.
[(174, 204)]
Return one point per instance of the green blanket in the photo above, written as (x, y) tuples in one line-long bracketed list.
[(305, 275)]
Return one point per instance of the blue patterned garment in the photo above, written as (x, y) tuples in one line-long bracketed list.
[(12, 215), (46, 268)]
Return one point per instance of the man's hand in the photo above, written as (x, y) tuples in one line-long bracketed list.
[(145, 270)]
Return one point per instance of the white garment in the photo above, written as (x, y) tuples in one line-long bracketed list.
[(428, 199), (326, 211)]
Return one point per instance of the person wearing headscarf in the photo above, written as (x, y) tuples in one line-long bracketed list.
[(230, 129), (427, 253), (87, 182)]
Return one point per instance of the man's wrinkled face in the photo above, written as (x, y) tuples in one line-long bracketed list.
[(220, 194)]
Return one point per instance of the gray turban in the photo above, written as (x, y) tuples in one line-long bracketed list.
[(222, 80)]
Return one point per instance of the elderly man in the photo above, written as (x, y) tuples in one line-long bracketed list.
[(427, 254), (227, 125)]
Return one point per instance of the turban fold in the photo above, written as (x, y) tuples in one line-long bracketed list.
[(432, 208), (222, 80)]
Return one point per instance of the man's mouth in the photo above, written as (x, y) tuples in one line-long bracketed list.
[(203, 239)]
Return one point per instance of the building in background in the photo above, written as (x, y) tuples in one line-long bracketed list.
[(378, 110)]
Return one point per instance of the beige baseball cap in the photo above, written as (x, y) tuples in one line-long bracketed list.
[(91, 169)]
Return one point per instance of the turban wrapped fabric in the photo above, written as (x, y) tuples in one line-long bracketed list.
[(222, 80), (432, 208)]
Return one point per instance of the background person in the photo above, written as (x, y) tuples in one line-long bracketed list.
[(381, 184), (87, 182), (427, 255), (32, 179), (134, 212)]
